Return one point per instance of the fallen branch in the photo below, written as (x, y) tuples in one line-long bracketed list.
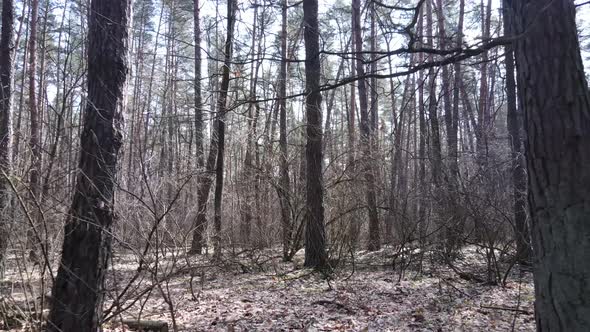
[(506, 308), (146, 325), (333, 303)]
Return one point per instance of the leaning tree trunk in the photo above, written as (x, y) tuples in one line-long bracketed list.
[(557, 112), (315, 231), (5, 95), (79, 287)]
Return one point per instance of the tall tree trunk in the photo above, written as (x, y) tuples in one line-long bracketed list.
[(521, 230), (435, 147), (423, 205), (453, 142), (447, 90), (205, 169), (284, 182), (249, 201), (6, 40), (351, 158), (315, 230), (199, 125), (374, 242), (34, 138), (557, 113), (484, 109), (17, 126), (453, 227), (79, 290), (220, 126)]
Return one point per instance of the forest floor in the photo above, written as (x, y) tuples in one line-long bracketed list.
[(255, 291)]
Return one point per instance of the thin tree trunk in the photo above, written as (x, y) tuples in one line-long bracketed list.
[(220, 126), (199, 124), (248, 201), (374, 242), (435, 147), (6, 40), (483, 109), (284, 182), (453, 142)]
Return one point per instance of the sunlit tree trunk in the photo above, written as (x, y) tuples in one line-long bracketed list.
[(78, 291), (220, 126)]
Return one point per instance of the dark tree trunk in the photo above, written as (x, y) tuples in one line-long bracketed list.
[(447, 91), (284, 182), (423, 204), (435, 147), (34, 138), (205, 179), (453, 226), (199, 126), (220, 126), (6, 39), (353, 227), (315, 231), (483, 117), (453, 141), (249, 200), (374, 242), (521, 230), (557, 116), (79, 287)]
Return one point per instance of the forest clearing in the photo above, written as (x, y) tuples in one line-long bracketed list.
[(255, 291)]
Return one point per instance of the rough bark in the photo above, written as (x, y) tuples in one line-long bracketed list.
[(557, 117), (79, 286), (220, 125), (249, 201), (199, 125), (453, 141), (374, 242), (315, 232), (34, 138), (521, 230), (447, 90), (435, 146), (483, 117), (205, 168), (284, 182), (6, 40)]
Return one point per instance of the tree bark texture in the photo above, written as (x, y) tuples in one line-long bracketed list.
[(557, 116), (6, 40), (78, 290), (315, 232), (374, 242)]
